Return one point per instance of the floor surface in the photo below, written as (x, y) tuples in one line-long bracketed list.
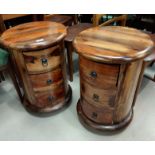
[(17, 124)]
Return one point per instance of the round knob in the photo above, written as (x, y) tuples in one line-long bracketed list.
[(93, 74), (44, 61), (50, 98), (95, 97), (49, 81)]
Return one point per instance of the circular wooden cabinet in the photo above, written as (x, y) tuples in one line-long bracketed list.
[(110, 60), (37, 50)]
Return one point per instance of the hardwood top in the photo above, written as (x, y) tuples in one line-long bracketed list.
[(114, 44), (33, 35)]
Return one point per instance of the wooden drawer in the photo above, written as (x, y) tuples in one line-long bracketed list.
[(99, 74), (100, 115), (96, 96), (50, 98), (42, 61), (48, 79)]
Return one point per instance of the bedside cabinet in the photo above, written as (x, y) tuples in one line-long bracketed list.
[(37, 50), (110, 60)]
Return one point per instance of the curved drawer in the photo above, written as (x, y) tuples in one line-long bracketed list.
[(42, 61), (39, 81), (99, 74), (97, 114), (96, 96), (50, 98)]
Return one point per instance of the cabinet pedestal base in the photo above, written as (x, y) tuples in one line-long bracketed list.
[(32, 108), (88, 123)]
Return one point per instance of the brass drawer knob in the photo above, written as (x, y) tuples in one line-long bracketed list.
[(95, 97), (93, 74), (44, 62), (49, 81)]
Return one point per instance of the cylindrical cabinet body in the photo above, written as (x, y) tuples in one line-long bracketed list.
[(37, 50), (110, 60)]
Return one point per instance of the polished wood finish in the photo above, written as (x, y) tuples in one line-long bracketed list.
[(33, 35), (106, 75), (72, 32), (110, 63), (37, 50), (121, 43)]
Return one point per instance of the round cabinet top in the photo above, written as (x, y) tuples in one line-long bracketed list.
[(33, 35), (113, 44)]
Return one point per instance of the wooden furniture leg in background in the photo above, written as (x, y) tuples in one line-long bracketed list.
[(2, 76), (72, 32), (70, 49)]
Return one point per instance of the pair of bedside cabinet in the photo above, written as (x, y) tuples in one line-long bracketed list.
[(110, 61)]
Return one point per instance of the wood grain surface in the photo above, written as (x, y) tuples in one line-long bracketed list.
[(113, 44), (110, 65), (37, 50), (106, 74), (33, 35)]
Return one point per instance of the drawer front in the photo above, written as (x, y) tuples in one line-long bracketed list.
[(97, 114), (46, 79), (96, 96), (99, 74), (42, 61), (50, 98)]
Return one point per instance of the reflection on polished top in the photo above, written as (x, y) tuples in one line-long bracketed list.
[(113, 44), (33, 35)]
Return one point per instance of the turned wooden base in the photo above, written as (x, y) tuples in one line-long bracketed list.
[(31, 108), (88, 123)]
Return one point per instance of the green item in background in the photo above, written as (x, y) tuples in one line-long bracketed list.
[(3, 57)]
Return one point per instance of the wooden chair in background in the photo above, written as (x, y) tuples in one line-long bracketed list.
[(10, 20), (2, 25), (72, 32), (118, 20), (66, 20), (96, 19)]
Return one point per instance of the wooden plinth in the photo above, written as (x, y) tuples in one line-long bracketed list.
[(88, 123)]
